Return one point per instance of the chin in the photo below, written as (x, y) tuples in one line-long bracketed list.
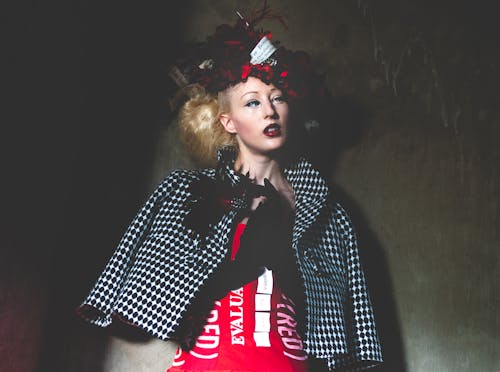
[(275, 148), (267, 147), (275, 143)]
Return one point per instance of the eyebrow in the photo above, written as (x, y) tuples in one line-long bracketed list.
[(255, 92)]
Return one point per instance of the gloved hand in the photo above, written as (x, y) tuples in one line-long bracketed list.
[(262, 243), (267, 233), (266, 242)]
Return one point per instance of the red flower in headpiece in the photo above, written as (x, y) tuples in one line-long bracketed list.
[(245, 71)]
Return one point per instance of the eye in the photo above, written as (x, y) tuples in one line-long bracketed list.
[(278, 99), (252, 103)]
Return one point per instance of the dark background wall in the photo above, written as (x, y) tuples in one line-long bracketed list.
[(412, 148)]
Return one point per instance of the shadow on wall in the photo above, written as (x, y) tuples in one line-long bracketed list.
[(347, 121), (379, 282), (337, 124)]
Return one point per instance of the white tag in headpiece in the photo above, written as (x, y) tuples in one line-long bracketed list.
[(262, 51)]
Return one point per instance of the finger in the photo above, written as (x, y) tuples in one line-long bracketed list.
[(273, 197), (255, 217), (270, 189), (255, 191)]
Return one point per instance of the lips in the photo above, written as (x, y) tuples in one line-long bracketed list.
[(272, 130)]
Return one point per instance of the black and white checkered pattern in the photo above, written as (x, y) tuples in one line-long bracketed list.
[(160, 265)]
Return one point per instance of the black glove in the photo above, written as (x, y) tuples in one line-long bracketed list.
[(267, 234), (267, 242), (261, 245)]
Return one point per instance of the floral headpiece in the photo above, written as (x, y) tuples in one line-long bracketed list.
[(234, 53)]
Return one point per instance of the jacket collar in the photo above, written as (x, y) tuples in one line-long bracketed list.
[(310, 188), (226, 156), (311, 192)]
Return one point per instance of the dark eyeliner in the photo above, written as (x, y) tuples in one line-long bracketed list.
[(252, 103)]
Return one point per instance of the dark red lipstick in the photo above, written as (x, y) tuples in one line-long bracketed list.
[(272, 130)]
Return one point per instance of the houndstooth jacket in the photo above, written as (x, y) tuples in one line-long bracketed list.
[(160, 264)]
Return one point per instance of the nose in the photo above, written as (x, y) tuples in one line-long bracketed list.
[(269, 109)]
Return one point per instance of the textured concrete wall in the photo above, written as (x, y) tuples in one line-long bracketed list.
[(411, 148)]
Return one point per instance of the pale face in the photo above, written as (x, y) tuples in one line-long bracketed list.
[(258, 117)]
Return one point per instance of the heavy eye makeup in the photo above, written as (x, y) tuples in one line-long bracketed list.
[(252, 103), (279, 98), (275, 99)]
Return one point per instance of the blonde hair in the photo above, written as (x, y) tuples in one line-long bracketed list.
[(200, 130)]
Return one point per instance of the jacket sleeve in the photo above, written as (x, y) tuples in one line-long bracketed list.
[(363, 340), (99, 305)]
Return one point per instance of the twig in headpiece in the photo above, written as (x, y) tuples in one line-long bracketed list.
[(243, 19), (265, 13)]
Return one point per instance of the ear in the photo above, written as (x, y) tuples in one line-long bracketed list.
[(227, 123)]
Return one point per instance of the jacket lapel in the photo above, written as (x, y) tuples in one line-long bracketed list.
[(310, 191)]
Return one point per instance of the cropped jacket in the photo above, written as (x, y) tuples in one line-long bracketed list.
[(160, 265)]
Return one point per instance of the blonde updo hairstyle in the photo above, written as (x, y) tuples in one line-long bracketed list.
[(200, 130)]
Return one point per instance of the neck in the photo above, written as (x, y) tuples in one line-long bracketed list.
[(259, 167)]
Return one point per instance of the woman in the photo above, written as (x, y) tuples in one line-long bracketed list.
[(248, 266)]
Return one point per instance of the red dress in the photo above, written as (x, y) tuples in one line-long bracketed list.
[(251, 329)]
